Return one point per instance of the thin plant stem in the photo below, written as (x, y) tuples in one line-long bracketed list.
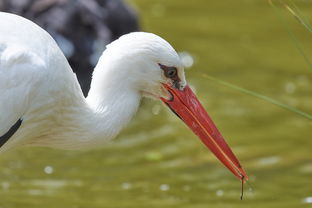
[(291, 35), (260, 96), (297, 14)]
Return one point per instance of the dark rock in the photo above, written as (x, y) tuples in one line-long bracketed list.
[(82, 28)]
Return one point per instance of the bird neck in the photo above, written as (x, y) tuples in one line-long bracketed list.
[(112, 101), (109, 112), (91, 122)]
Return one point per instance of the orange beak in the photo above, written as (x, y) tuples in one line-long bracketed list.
[(186, 106)]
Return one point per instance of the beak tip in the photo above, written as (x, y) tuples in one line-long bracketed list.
[(188, 108), (243, 175)]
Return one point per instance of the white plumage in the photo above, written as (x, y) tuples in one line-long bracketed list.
[(38, 86), (41, 102)]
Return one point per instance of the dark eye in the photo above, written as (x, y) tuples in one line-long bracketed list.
[(171, 72)]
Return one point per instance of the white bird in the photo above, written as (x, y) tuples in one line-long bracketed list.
[(41, 102)]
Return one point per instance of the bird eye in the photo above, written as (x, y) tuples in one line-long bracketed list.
[(171, 72)]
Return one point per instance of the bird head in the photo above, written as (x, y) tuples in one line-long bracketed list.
[(150, 65)]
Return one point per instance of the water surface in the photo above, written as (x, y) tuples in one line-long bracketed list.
[(157, 161)]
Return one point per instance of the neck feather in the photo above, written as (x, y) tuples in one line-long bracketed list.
[(94, 122), (91, 122), (111, 112)]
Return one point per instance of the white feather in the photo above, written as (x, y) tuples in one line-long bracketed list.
[(38, 86)]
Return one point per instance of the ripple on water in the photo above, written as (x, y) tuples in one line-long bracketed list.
[(219, 193), (37, 192), (55, 183), (307, 200), (5, 185), (266, 161), (48, 169), (307, 168), (164, 187), (126, 186)]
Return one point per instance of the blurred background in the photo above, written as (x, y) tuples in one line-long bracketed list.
[(250, 63)]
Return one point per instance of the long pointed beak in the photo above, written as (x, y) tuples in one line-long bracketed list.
[(186, 106)]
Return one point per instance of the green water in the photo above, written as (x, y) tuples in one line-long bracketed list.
[(157, 161)]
